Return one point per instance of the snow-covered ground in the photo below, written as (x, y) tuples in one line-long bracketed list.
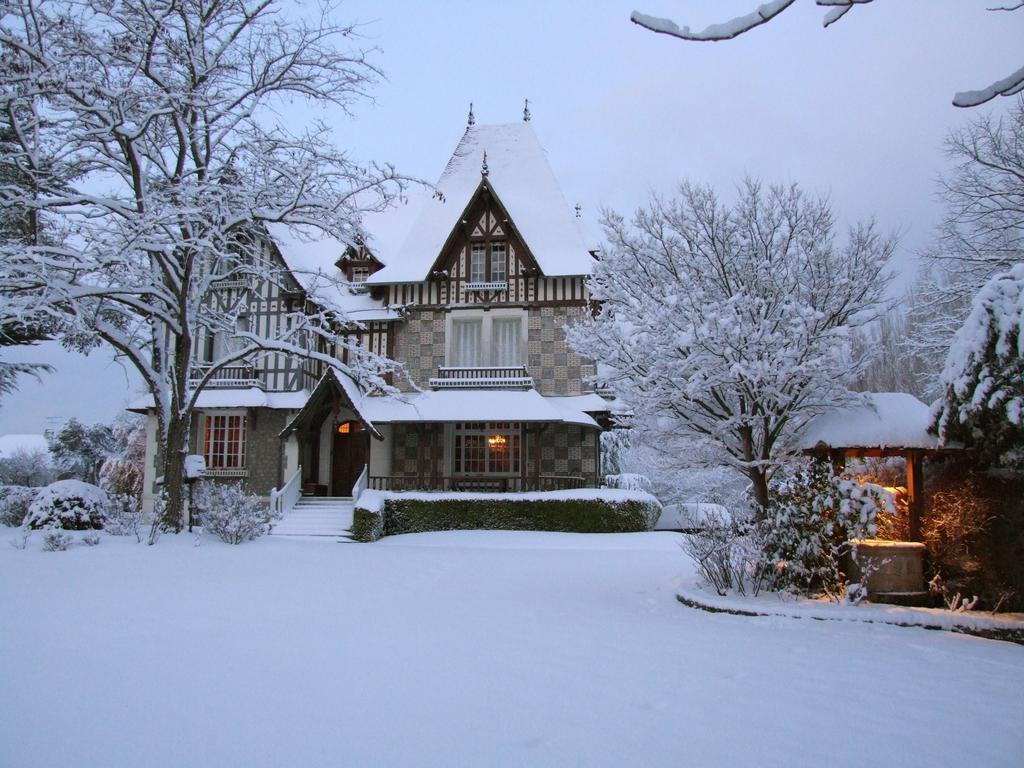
[(463, 648)]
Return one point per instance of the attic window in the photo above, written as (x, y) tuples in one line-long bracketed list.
[(359, 274), (499, 262), (477, 263)]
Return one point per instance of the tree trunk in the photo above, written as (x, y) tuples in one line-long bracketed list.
[(759, 486), (174, 473)]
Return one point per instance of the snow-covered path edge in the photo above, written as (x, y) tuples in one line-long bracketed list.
[(1009, 628)]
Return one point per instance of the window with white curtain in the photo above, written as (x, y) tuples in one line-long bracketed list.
[(466, 347), (477, 338), (505, 341)]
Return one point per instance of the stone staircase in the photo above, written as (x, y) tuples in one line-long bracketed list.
[(319, 516)]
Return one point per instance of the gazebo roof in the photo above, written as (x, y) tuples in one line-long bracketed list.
[(887, 421)]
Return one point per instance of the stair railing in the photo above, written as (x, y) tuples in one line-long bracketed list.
[(282, 501), (361, 482)]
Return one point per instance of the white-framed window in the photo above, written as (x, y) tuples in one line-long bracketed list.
[(359, 274), (475, 338), (487, 448), (499, 263), (477, 263), (224, 440)]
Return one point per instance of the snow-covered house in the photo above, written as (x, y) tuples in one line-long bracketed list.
[(468, 286)]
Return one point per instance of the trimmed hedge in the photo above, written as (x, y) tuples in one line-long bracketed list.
[(396, 515)]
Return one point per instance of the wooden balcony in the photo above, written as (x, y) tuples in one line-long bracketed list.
[(229, 377), (475, 483), (489, 377)]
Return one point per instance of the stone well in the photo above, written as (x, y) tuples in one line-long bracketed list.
[(895, 567)]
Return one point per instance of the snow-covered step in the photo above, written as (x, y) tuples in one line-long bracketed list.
[(317, 516)]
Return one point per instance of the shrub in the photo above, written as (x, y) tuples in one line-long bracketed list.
[(728, 555), (808, 525), (575, 512), (56, 541), (68, 504), (124, 516), (628, 481), (14, 504), (231, 514)]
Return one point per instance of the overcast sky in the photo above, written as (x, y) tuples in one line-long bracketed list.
[(858, 111)]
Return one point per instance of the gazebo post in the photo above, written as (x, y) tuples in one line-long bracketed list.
[(915, 490)]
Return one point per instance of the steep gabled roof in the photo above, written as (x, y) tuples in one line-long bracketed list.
[(519, 174)]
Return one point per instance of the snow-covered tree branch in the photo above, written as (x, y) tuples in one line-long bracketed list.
[(766, 12), (728, 325), (983, 380), (144, 133)]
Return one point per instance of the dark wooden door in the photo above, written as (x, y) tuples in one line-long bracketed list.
[(349, 457)]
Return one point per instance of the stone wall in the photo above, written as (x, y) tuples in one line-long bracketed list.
[(419, 344), (556, 369)]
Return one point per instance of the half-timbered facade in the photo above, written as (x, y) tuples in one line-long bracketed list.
[(470, 287)]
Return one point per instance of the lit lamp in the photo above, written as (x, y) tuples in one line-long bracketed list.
[(497, 442)]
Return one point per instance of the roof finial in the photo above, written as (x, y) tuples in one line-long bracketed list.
[(579, 211), (472, 118), (526, 111), (483, 168)]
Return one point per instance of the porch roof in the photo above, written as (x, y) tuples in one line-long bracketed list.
[(477, 405), (235, 397), (334, 385)]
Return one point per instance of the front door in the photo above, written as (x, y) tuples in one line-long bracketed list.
[(349, 457)]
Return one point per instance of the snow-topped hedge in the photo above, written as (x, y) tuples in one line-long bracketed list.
[(68, 504), (586, 510)]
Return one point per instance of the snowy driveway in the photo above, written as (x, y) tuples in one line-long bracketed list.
[(463, 649)]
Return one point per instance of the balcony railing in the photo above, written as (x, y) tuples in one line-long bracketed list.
[(488, 285), (477, 483), (231, 376), (492, 377)]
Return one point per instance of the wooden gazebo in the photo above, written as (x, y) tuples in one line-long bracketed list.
[(887, 424)]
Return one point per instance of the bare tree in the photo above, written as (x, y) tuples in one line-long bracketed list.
[(765, 12), (980, 236), (148, 132), (728, 326)]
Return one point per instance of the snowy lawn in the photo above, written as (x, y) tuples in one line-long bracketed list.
[(463, 649)]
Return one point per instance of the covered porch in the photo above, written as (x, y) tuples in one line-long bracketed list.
[(508, 441), (329, 439)]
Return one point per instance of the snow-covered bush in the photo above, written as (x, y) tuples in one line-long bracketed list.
[(14, 503), (628, 481), (809, 523), (124, 516), (68, 504), (229, 513), (983, 380), (56, 541), (729, 555)]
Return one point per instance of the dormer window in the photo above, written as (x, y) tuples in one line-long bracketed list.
[(478, 263), (360, 273), (499, 262)]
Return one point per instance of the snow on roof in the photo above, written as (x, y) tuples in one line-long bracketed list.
[(519, 175), (473, 405), (250, 397), (887, 420), (311, 257), (11, 444)]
